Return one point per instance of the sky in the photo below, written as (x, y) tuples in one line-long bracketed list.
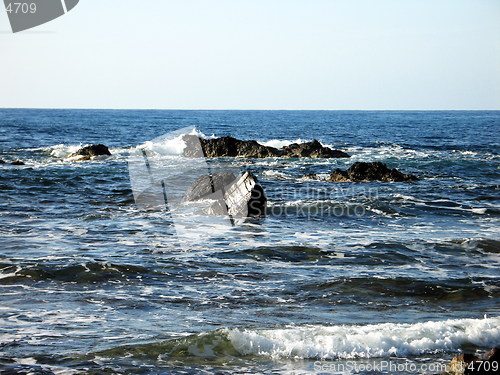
[(257, 54)]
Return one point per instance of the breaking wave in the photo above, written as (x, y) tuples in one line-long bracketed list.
[(326, 342)]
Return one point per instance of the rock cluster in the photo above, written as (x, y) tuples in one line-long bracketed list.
[(233, 147), (374, 171)]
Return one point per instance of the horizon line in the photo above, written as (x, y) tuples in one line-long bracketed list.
[(242, 109)]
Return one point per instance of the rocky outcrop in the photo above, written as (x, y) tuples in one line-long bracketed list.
[(2, 161), (469, 364), (237, 197), (313, 149), (90, 151), (226, 147), (375, 171), (232, 147)]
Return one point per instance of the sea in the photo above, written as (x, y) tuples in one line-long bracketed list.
[(338, 278)]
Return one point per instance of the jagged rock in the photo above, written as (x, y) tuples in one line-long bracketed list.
[(232, 147), (492, 355), (313, 149), (375, 171), (2, 161), (238, 197), (92, 150), (459, 364), (228, 147)]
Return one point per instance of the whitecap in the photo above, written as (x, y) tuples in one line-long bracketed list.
[(367, 341)]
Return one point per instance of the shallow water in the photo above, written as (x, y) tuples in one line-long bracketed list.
[(366, 271)]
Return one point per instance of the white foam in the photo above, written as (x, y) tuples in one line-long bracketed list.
[(279, 143), (60, 151), (367, 341), (170, 147), (273, 174)]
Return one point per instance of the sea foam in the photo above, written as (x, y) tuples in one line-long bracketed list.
[(367, 341)]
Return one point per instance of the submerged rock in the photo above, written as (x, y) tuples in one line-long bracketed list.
[(238, 197), (375, 171), (232, 147), (84, 158), (92, 150), (16, 162)]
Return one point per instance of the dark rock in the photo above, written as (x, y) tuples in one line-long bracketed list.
[(375, 171), (238, 197), (458, 364), (470, 364), (18, 162), (232, 147), (2, 161), (492, 355), (312, 149), (310, 176), (92, 150)]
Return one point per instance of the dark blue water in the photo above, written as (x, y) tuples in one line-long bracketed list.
[(401, 271)]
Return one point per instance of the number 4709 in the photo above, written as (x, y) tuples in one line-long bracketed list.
[(21, 8)]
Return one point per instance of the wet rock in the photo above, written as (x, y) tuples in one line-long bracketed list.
[(375, 171), (232, 147), (83, 158), (492, 355), (92, 150), (469, 364), (310, 176), (313, 149), (238, 197), (16, 162), (458, 364)]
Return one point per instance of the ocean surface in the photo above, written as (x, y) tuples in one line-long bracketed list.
[(339, 278)]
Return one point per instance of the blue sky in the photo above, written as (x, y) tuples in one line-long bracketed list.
[(256, 54)]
